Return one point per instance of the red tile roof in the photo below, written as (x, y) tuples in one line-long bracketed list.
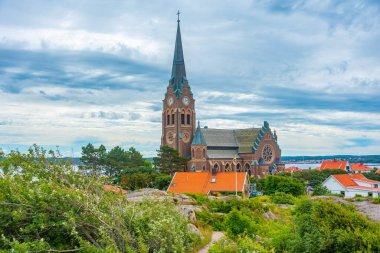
[(378, 171), (108, 187), (345, 180), (292, 168), (205, 182), (348, 180), (338, 165), (359, 166), (361, 177)]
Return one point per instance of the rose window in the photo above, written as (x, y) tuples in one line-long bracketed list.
[(267, 154)]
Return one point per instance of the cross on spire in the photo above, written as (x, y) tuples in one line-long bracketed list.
[(178, 15)]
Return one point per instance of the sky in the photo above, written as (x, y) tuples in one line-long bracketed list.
[(74, 72)]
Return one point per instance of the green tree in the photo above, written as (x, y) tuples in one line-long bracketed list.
[(273, 184), (116, 161), (93, 159), (169, 161)]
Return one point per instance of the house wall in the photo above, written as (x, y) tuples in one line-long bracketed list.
[(350, 193), (333, 186)]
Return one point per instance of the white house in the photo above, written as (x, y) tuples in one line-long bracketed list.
[(352, 184), (360, 168)]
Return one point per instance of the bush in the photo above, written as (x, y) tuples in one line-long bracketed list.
[(243, 244), (320, 190), (376, 200), (216, 220), (287, 185), (283, 198), (162, 181), (237, 224), (47, 206), (137, 181)]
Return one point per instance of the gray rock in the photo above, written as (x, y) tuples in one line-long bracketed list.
[(195, 230)]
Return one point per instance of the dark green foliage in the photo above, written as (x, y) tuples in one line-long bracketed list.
[(313, 177), (372, 175), (237, 224), (283, 198), (113, 163), (320, 190), (93, 159), (218, 211), (216, 220), (46, 206), (325, 226), (273, 184), (145, 180), (169, 161)]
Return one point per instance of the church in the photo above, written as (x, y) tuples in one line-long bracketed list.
[(252, 150)]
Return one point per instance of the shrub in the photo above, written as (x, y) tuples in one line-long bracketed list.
[(288, 185), (216, 220), (243, 244), (320, 190), (376, 200), (237, 224), (162, 181), (46, 206), (283, 198)]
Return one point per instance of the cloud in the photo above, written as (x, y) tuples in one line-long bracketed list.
[(75, 72)]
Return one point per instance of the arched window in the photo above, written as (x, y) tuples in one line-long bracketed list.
[(204, 168), (188, 119), (238, 167), (173, 118), (204, 153), (215, 168), (167, 119), (192, 153)]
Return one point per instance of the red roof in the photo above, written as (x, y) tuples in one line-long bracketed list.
[(292, 168), (359, 166), (205, 182), (337, 165), (108, 187), (348, 180), (378, 171), (345, 180), (361, 177)]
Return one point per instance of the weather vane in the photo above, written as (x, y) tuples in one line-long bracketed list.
[(178, 15)]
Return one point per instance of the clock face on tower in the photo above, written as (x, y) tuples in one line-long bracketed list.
[(170, 137), (186, 137), (185, 100), (170, 101)]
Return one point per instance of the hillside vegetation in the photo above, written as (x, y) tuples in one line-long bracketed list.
[(46, 206)]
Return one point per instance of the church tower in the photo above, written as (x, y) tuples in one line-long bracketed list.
[(178, 114)]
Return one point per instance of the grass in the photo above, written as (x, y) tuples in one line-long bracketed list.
[(207, 233)]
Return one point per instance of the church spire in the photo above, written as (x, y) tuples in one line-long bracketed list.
[(178, 70)]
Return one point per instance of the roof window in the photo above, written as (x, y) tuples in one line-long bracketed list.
[(213, 180)]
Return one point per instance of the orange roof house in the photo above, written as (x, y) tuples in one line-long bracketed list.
[(292, 168), (206, 182), (334, 165), (360, 167), (351, 185), (108, 187), (378, 171)]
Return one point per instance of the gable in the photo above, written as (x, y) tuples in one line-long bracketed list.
[(246, 138)]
